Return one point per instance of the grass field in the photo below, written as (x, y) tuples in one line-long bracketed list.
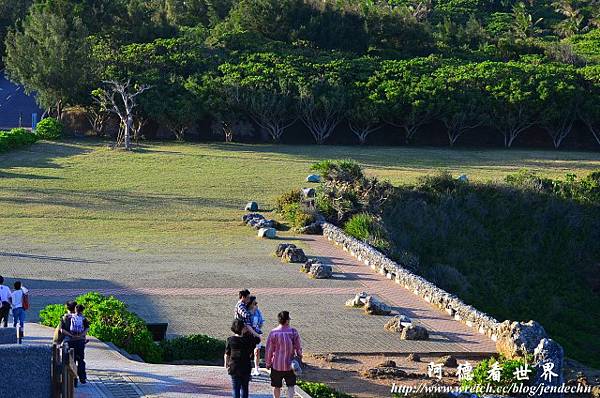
[(187, 194)]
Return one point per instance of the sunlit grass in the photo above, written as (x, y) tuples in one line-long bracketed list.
[(191, 194)]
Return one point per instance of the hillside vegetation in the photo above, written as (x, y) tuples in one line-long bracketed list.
[(503, 72)]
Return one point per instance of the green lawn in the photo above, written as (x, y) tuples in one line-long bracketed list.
[(187, 194)]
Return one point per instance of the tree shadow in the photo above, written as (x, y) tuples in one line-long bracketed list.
[(41, 155)]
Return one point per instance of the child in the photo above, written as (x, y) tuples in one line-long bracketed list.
[(257, 324)]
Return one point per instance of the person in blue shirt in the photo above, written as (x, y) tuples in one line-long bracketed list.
[(257, 324)]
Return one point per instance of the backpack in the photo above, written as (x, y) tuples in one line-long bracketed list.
[(25, 301), (76, 326)]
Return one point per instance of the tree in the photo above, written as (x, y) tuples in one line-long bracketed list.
[(120, 98), (49, 55), (323, 99), (459, 100), (560, 93), (263, 86), (589, 112), (513, 103)]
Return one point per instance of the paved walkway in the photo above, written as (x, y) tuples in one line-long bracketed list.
[(441, 326), (111, 375)]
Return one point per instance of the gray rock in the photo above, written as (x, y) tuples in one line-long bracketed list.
[(313, 178), (251, 206), (309, 192), (281, 248), (293, 255), (387, 364), (516, 339), (311, 229), (376, 307), (308, 265), (8, 336), (27, 373), (549, 353), (385, 373), (414, 332), (414, 357), (321, 271), (252, 216), (358, 301), (448, 361), (267, 233)]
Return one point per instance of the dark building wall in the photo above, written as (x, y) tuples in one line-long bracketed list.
[(15, 105)]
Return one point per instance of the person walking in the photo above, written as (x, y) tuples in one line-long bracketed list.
[(283, 347), (257, 324), (74, 327), (19, 302), (241, 310), (4, 302), (238, 352)]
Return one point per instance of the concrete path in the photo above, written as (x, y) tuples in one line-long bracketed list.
[(445, 332), (111, 375)]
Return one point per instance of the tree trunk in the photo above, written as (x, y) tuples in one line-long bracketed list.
[(127, 135)]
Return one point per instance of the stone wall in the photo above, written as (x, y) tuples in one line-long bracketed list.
[(483, 323), (25, 371), (8, 336)]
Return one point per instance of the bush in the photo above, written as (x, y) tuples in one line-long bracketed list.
[(584, 190), (320, 390), (49, 129), (15, 138), (507, 377), (367, 228), (291, 197), (298, 215), (194, 347), (110, 321)]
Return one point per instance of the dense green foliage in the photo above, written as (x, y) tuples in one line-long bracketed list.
[(367, 228), (524, 250), (290, 205), (110, 321), (499, 70), (481, 375), (194, 347), (49, 129), (320, 390), (15, 138)]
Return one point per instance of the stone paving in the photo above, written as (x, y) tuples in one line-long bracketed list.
[(194, 290), (113, 376)]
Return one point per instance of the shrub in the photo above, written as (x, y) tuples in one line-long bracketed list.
[(507, 377), (49, 129), (442, 182), (320, 390), (367, 228), (110, 321), (291, 197), (584, 190), (15, 138), (194, 347), (297, 215)]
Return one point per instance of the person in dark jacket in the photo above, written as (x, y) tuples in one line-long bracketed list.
[(238, 353)]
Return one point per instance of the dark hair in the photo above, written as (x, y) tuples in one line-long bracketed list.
[(17, 285), (251, 299), (237, 326), (283, 317), (244, 293), (79, 308), (71, 305), (1, 279)]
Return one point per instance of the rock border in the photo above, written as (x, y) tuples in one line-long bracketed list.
[(455, 307)]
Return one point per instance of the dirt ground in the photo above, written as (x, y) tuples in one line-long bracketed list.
[(345, 373)]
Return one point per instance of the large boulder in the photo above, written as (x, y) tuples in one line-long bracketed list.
[(321, 271), (308, 265), (267, 233), (515, 339), (548, 359), (358, 301), (414, 332), (252, 216), (313, 178), (309, 192), (251, 206), (293, 255), (281, 248), (376, 307), (398, 323)]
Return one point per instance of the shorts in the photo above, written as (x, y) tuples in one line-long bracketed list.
[(278, 376)]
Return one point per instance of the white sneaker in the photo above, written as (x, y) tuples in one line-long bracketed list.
[(255, 372)]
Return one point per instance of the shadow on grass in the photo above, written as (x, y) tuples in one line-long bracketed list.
[(41, 155)]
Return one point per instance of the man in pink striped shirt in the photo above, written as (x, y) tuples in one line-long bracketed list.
[(283, 345)]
